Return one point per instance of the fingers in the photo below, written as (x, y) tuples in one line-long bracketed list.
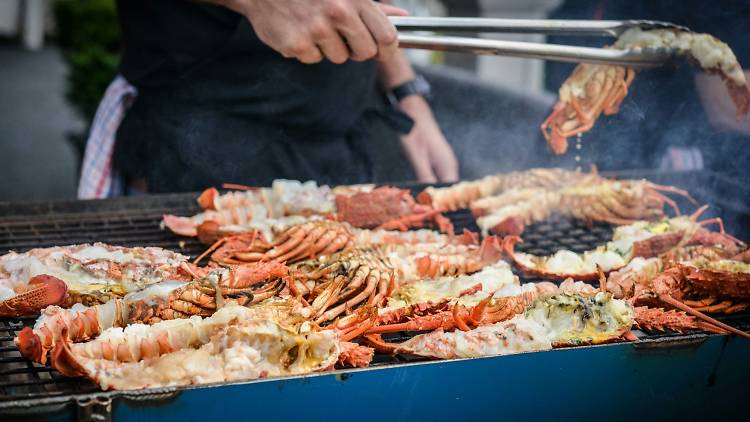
[(337, 30), (392, 10), (419, 158), (361, 43), (444, 161), (307, 52), (381, 30), (329, 42)]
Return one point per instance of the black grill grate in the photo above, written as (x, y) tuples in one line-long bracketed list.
[(136, 222)]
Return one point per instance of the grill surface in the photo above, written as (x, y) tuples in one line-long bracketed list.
[(136, 222)]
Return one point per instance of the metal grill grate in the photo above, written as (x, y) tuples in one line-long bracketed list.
[(136, 222)]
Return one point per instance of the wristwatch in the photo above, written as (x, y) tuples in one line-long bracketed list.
[(416, 86)]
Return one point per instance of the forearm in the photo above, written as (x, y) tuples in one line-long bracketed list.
[(395, 71)]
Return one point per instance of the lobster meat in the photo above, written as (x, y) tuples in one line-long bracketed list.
[(388, 208), (594, 89), (670, 236), (88, 274), (593, 199), (551, 321), (285, 202), (162, 301), (462, 194), (236, 343)]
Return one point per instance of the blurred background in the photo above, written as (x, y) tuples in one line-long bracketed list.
[(57, 57)]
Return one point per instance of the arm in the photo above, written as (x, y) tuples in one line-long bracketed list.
[(426, 147), (310, 30)]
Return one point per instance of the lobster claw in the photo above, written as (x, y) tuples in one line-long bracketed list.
[(45, 290)]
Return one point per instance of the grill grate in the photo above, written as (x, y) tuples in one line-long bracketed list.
[(136, 221)]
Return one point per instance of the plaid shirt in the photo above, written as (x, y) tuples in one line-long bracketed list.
[(98, 179)]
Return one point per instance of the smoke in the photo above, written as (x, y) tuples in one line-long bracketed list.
[(494, 130)]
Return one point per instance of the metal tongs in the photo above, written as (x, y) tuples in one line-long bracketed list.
[(635, 57)]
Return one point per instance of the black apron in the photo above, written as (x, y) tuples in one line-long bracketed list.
[(217, 105)]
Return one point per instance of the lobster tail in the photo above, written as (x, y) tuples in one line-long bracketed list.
[(64, 361)]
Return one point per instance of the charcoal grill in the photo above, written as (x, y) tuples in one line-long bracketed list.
[(660, 375)]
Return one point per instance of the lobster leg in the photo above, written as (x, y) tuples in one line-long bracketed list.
[(372, 282), (444, 320), (377, 342)]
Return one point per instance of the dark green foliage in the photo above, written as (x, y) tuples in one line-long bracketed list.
[(89, 37)]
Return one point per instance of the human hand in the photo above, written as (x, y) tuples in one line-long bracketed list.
[(310, 30), (426, 147)]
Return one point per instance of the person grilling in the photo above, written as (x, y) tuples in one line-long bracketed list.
[(247, 91)]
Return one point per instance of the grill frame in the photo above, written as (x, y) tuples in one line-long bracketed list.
[(97, 220)]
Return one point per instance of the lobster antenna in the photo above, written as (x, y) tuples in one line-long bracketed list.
[(209, 250), (682, 192), (236, 186), (694, 216), (681, 306), (667, 200)]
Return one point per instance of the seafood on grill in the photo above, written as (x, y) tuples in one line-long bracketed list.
[(433, 260), (290, 202), (689, 288), (316, 238), (462, 194), (551, 321), (161, 301), (594, 89), (703, 286), (286, 202), (640, 239), (448, 314), (470, 289), (236, 343), (333, 284), (592, 199), (297, 243), (88, 274), (388, 208), (490, 295)]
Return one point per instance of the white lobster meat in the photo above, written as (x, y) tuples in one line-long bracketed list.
[(552, 321), (80, 273), (236, 343)]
